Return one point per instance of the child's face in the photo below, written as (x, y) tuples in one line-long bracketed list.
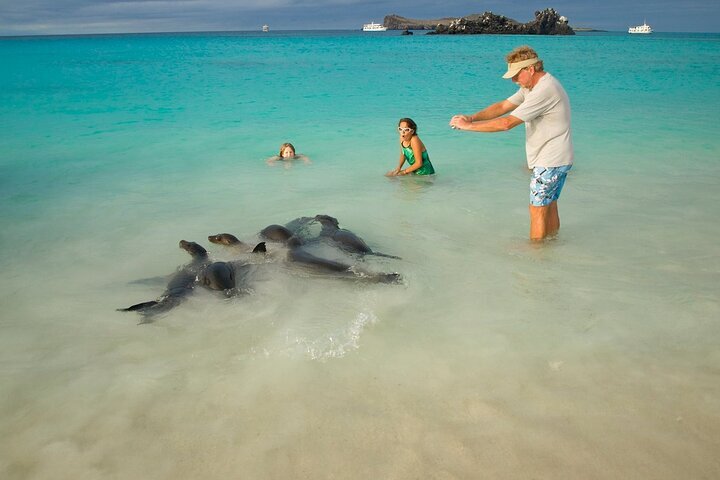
[(405, 131), (288, 152)]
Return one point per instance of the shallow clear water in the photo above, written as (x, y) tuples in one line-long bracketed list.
[(592, 356)]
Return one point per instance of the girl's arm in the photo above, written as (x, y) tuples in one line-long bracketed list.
[(417, 148), (392, 173)]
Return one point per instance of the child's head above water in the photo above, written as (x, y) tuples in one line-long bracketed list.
[(407, 128), (287, 150)]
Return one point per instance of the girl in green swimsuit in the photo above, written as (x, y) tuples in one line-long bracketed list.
[(412, 150)]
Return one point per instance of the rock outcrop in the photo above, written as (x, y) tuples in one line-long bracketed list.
[(547, 22), (396, 22)]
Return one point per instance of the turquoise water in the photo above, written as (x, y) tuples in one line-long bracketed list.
[(593, 356)]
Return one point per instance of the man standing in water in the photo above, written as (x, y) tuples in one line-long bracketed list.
[(542, 104)]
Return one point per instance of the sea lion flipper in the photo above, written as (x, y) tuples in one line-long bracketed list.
[(153, 281), (260, 248), (139, 306), (378, 254)]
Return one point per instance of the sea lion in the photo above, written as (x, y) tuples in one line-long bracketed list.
[(218, 276), (276, 233), (196, 251), (225, 239), (329, 224), (345, 239), (297, 254), (222, 276), (180, 285), (300, 255), (215, 275), (301, 227), (231, 240)]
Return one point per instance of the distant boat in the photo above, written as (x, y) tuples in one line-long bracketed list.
[(373, 27), (266, 28), (644, 28)]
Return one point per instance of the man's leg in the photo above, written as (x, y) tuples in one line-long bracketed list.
[(539, 222), (545, 187), (553, 219)]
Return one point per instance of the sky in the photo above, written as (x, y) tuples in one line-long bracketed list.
[(53, 17)]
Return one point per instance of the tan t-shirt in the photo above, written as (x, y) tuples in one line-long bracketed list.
[(546, 112)]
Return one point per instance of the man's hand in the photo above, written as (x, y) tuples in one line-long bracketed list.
[(460, 122)]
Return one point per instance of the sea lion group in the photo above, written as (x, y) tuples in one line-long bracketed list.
[(298, 236)]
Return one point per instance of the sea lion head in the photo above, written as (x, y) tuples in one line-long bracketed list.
[(224, 239), (194, 249), (327, 221)]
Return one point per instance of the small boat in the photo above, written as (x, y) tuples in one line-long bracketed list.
[(265, 28), (373, 27), (644, 28)]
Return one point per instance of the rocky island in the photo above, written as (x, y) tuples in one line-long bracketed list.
[(546, 22), (396, 22)]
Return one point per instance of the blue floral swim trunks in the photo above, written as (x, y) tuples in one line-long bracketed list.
[(546, 184)]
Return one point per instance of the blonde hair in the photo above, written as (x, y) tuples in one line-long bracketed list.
[(284, 146), (524, 52)]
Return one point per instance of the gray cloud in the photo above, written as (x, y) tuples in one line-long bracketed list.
[(21, 17)]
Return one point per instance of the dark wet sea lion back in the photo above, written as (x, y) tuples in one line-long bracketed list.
[(276, 233), (217, 276)]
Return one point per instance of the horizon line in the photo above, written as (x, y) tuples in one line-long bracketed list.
[(172, 32)]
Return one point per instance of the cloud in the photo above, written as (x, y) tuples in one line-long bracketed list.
[(95, 16), (98, 16), (18, 17)]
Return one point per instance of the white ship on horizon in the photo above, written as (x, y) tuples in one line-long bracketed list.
[(644, 28), (373, 27), (265, 28)]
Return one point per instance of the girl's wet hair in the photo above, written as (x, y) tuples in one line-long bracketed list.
[(410, 123), (285, 145)]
